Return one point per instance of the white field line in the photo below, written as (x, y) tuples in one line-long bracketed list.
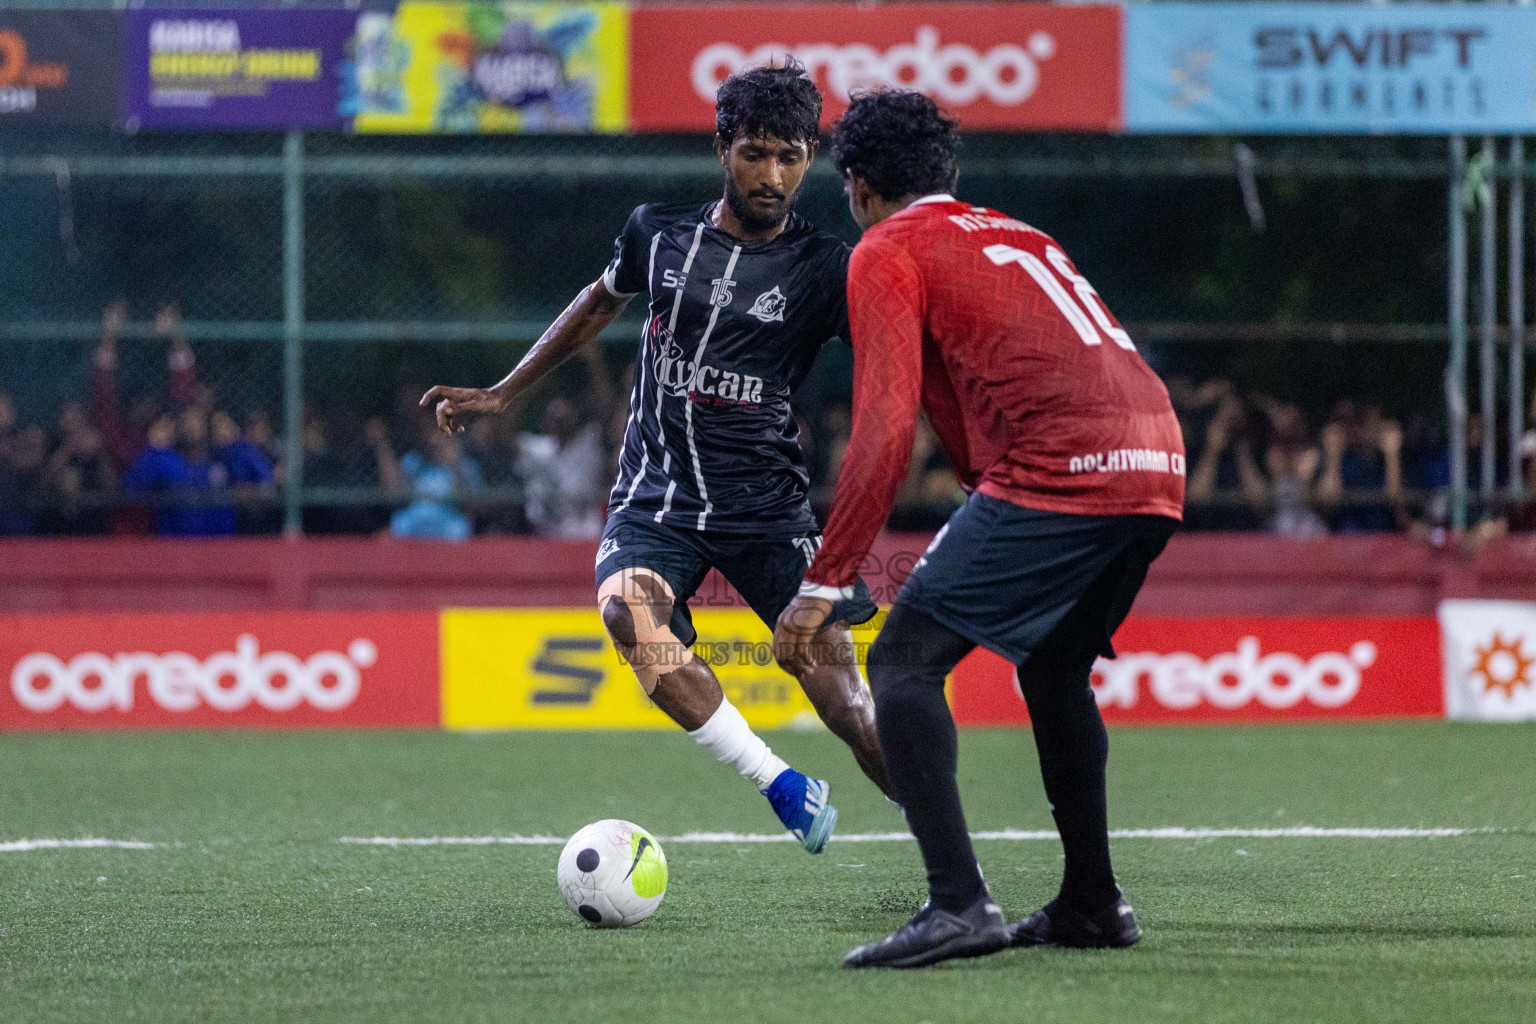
[(1177, 832), (28, 845), (1295, 832)]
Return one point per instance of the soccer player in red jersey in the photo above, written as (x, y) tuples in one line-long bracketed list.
[(1074, 463)]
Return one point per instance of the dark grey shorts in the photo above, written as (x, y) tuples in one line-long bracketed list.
[(766, 571), (1004, 576)]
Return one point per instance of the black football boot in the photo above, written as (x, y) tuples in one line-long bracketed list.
[(1114, 927), (935, 935)]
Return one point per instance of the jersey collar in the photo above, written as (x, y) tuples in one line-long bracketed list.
[(937, 197)]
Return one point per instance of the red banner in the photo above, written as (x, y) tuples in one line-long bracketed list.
[(245, 670), (1173, 671), (996, 66)]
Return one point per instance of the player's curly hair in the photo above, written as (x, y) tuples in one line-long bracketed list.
[(773, 101), (899, 142)]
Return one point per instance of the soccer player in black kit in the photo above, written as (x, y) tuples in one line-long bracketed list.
[(741, 294)]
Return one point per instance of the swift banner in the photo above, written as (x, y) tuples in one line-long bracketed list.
[(213, 670), (238, 69), (1184, 671), (1490, 659), (1329, 68), (996, 66), (494, 67), (60, 68)]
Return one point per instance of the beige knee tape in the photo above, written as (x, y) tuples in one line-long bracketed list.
[(657, 649)]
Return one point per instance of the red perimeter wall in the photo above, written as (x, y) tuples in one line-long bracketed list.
[(1199, 575)]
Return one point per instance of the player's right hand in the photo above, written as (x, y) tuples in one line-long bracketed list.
[(452, 402)]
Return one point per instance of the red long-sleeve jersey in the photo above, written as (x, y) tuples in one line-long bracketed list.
[(1037, 394)]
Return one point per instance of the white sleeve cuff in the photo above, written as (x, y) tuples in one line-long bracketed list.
[(825, 591), (609, 277)]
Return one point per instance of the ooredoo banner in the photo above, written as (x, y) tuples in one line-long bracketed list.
[(1174, 671), (996, 66), (256, 670), (238, 69), (61, 68)]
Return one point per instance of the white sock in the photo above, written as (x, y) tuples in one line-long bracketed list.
[(728, 736)]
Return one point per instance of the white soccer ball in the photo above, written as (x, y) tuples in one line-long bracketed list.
[(613, 873)]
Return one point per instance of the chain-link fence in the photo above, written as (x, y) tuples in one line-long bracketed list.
[(289, 298)]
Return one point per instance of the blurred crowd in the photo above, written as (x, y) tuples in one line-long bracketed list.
[(183, 462), (1256, 463)]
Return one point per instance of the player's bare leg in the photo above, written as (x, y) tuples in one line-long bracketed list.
[(838, 692), (636, 606)]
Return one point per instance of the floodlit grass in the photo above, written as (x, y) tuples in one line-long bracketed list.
[(253, 911)]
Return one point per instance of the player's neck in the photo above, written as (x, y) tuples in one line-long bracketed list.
[(877, 209), (722, 218)]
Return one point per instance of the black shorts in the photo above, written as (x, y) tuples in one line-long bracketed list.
[(766, 571), (1004, 577)]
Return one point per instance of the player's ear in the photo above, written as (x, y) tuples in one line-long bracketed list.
[(861, 191), (722, 149)]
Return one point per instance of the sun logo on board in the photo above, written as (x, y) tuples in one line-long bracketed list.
[(1504, 665)]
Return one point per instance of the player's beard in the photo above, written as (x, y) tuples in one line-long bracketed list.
[(741, 207)]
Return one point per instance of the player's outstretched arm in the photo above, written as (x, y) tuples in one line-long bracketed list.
[(580, 324), (885, 302)]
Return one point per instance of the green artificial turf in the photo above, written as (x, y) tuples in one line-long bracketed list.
[(253, 911)]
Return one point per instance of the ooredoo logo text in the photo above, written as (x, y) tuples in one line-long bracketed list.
[(954, 73), (178, 682), (1235, 679)]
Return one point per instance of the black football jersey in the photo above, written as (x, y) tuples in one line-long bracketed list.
[(731, 330)]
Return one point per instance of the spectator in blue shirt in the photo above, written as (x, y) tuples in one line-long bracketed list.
[(437, 475), (190, 474), (244, 463)]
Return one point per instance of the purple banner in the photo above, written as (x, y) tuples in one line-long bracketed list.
[(238, 69)]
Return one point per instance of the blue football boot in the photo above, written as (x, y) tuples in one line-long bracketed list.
[(801, 804)]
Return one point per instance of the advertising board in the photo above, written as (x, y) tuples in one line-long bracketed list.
[(220, 670), (995, 66), (61, 68), (1184, 671)]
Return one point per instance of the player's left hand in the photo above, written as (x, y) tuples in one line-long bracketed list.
[(794, 637), (451, 403)]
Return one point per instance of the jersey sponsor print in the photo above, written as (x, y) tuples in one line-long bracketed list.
[(731, 330)]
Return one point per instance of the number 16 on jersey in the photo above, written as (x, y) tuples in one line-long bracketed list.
[(1002, 255)]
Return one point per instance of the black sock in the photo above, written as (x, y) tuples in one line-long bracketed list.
[(907, 667), (1074, 749)]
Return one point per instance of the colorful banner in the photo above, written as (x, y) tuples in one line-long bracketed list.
[(1323, 68), (495, 67), (1330, 68), (996, 66), (62, 68), (1490, 659), (1185, 671), (557, 669), (239, 69), (220, 670)]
